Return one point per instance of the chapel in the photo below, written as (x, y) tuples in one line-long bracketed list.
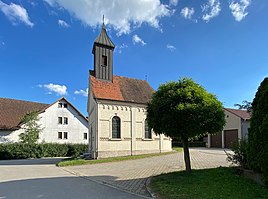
[(117, 109)]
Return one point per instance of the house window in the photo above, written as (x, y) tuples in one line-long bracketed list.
[(65, 105), (59, 120), (116, 127), (59, 105), (65, 135), (147, 130), (65, 120), (85, 136), (59, 135), (104, 60)]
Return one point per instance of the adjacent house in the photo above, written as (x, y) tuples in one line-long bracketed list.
[(117, 109), (60, 121), (236, 128)]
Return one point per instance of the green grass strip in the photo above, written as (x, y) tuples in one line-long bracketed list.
[(217, 183), (75, 162)]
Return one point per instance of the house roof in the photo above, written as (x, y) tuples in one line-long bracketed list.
[(12, 111), (244, 114), (121, 89), (103, 38)]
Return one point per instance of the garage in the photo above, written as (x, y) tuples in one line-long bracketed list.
[(216, 140), (230, 136)]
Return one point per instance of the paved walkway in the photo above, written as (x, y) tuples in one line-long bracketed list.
[(132, 175), (40, 178)]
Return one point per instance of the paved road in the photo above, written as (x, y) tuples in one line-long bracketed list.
[(34, 179), (133, 175)]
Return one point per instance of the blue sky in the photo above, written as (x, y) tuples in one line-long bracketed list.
[(45, 45)]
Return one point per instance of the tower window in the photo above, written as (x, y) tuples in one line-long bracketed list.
[(104, 60)]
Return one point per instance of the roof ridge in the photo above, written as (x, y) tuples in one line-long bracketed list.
[(23, 100)]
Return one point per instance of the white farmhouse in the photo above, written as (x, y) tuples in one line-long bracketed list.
[(61, 121), (117, 109)]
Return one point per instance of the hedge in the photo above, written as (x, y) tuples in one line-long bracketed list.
[(23, 151), (257, 152)]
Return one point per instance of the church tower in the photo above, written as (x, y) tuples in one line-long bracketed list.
[(103, 56)]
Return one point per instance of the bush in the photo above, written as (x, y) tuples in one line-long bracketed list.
[(240, 153), (258, 132), (23, 151)]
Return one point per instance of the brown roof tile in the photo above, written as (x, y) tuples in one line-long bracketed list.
[(122, 89), (12, 111), (240, 113)]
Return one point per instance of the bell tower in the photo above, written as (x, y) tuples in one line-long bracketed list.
[(103, 49)]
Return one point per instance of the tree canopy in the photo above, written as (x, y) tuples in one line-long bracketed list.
[(258, 132), (183, 110), (31, 128)]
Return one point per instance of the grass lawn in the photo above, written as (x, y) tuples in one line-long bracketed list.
[(218, 183), (74, 162)]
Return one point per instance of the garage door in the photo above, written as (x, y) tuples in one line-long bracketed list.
[(216, 140), (230, 136)]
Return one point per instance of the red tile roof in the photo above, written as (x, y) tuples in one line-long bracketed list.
[(121, 89), (244, 114), (12, 111)]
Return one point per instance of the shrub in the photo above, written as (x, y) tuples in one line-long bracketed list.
[(240, 154), (23, 151), (258, 132)]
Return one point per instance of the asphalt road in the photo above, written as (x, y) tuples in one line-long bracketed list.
[(41, 179)]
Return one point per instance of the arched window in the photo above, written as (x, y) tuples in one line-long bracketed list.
[(147, 130), (116, 127)]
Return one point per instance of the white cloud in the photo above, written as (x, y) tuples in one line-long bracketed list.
[(120, 48), (122, 15), (173, 2), (171, 47), (187, 13), (55, 88), (63, 24), (211, 9), (238, 8), (82, 92), (137, 40), (15, 13)]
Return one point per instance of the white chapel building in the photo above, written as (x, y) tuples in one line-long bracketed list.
[(117, 109)]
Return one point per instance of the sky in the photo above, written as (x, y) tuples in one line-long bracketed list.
[(46, 45)]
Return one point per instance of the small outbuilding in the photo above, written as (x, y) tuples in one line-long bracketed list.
[(236, 128)]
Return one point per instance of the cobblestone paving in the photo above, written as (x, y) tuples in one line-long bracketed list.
[(132, 175)]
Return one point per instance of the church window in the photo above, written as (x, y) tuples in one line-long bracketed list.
[(116, 127), (59, 105), (104, 60), (65, 105), (148, 132)]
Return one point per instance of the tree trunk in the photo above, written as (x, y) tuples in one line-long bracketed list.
[(186, 155)]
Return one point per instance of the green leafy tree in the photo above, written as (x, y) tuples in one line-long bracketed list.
[(246, 105), (31, 128), (258, 132), (184, 110)]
